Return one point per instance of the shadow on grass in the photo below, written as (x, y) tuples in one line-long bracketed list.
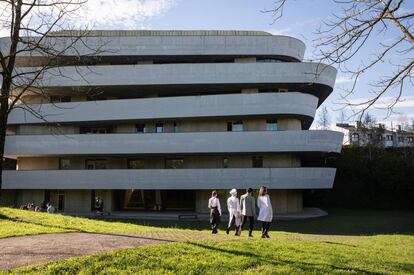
[(304, 266), (339, 222), (353, 222)]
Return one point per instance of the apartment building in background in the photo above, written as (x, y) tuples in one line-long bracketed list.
[(160, 118), (378, 135)]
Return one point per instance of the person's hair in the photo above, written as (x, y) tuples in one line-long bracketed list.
[(214, 193), (262, 191), (249, 190)]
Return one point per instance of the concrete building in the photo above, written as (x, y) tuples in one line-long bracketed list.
[(379, 135), (160, 118)]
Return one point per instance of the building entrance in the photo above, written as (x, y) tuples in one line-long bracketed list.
[(155, 200)]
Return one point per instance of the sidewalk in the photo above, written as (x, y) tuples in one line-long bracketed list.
[(308, 212)]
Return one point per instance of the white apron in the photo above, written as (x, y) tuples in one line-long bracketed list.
[(265, 208)]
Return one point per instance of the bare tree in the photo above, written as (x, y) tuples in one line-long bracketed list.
[(324, 119), (34, 30), (345, 36)]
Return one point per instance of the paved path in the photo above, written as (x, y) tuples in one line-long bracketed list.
[(28, 250)]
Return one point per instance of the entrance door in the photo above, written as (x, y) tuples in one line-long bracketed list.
[(136, 199), (56, 198)]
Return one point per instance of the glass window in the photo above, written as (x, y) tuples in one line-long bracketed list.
[(175, 128), (225, 162), (93, 164), (355, 138), (136, 164), (401, 139), (57, 99), (174, 163), (159, 127), (140, 128), (257, 162), (389, 137), (94, 130), (269, 60), (235, 126), (64, 164), (271, 125), (410, 139)]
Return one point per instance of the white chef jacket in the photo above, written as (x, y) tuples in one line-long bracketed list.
[(214, 202)]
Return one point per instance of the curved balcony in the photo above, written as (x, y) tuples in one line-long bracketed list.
[(174, 143), (165, 44), (312, 76), (273, 178), (294, 104)]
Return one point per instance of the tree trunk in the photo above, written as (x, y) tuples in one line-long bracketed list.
[(3, 126)]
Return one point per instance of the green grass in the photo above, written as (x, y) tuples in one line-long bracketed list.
[(281, 254), (346, 241)]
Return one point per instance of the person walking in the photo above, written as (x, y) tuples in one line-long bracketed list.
[(215, 211), (265, 211), (233, 206), (248, 210)]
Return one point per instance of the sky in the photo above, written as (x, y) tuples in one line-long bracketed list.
[(301, 18)]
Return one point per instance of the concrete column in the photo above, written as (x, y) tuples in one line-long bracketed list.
[(201, 203), (286, 201), (78, 200), (250, 91), (245, 60), (285, 124)]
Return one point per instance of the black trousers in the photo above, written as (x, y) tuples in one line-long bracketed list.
[(251, 222), (214, 219), (233, 223), (265, 227)]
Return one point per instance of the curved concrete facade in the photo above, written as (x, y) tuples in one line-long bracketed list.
[(197, 44), (177, 111), (174, 143), (273, 178), (190, 74), (230, 105)]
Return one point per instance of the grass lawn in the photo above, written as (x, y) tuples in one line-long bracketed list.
[(346, 241)]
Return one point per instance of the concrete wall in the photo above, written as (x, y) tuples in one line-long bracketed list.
[(196, 43), (77, 200), (167, 179), (283, 201), (177, 108), (174, 143), (192, 74)]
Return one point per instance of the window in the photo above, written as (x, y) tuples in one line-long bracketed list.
[(283, 90), (390, 137), (159, 127), (225, 162), (92, 164), (64, 164), (369, 137), (235, 126), (271, 125), (174, 163), (410, 139), (354, 138), (400, 139), (136, 164), (257, 162), (175, 128), (58, 99), (140, 128), (95, 130), (269, 60)]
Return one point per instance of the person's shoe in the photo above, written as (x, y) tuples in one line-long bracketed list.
[(263, 236), (250, 234), (227, 231), (267, 235)]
